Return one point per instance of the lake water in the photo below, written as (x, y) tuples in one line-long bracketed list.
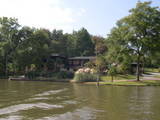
[(66, 101)]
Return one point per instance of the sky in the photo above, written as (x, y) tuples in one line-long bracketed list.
[(97, 16)]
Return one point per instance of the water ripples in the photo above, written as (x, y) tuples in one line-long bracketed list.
[(51, 92), (20, 107), (84, 113)]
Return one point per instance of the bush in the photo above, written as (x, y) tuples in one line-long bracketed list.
[(32, 74), (85, 77), (64, 74), (61, 74), (45, 74)]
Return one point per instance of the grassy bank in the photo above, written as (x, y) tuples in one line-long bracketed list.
[(149, 70), (157, 76), (128, 80), (129, 83), (107, 78), (134, 83)]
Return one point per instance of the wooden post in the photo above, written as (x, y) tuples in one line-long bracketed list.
[(97, 67), (138, 67)]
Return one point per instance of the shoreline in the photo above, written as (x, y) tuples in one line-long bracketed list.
[(115, 83), (40, 79)]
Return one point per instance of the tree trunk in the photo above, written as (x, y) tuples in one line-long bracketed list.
[(98, 79), (112, 78), (138, 67), (143, 65), (6, 70)]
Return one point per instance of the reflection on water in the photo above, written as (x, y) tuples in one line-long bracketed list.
[(84, 113), (50, 92), (65, 101), (16, 108), (38, 98), (14, 117)]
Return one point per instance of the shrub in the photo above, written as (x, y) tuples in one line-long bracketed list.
[(85, 75), (46, 74), (61, 74), (65, 74), (32, 74)]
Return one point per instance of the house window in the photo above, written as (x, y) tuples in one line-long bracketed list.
[(76, 62)]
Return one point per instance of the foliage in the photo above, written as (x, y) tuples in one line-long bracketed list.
[(101, 64), (59, 75), (112, 72), (100, 44), (22, 46), (135, 38), (83, 44), (85, 75), (9, 40), (137, 34), (65, 74), (90, 64), (32, 74)]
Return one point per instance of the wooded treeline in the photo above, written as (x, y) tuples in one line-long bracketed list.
[(135, 38), (22, 46)]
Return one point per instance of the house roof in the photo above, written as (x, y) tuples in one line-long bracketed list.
[(135, 63), (57, 55), (83, 58)]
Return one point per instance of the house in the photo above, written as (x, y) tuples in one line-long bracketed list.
[(56, 62), (78, 62), (133, 69)]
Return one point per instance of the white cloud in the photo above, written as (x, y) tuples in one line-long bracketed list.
[(39, 13)]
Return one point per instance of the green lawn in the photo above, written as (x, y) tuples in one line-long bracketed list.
[(148, 70), (157, 76), (118, 77), (106, 80), (134, 83)]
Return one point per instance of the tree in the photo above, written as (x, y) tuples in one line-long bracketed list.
[(84, 44), (71, 45), (100, 44), (8, 39), (112, 72), (59, 42), (139, 32), (40, 47), (23, 56)]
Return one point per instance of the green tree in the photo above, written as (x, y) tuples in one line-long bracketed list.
[(8, 39), (112, 72), (59, 42), (40, 47), (71, 45), (138, 33), (23, 56), (100, 44), (84, 44)]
